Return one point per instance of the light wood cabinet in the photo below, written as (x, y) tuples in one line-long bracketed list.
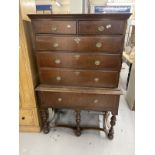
[(28, 115), (27, 7)]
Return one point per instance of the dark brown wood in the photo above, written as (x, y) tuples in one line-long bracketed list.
[(110, 44), (72, 89), (44, 115), (57, 76), (55, 27), (102, 27), (81, 127), (79, 61), (111, 131), (84, 101), (122, 16), (78, 119)]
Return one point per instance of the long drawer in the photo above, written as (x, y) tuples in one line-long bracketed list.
[(58, 76), (112, 44), (84, 101), (79, 60), (55, 27), (102, 27)]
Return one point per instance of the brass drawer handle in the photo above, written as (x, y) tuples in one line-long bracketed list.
[(55, 45), (96, 79), (77, 40), (54, 28), (57, 61), (108, 26), (59, 99), (58, 78), (68, 26), (77, 73), (100, 28), (97, 62), (77, 56), (99, 45), (95, 101)]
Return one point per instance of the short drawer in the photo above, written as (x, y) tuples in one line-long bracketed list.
[(112, 44), (55, 27), (79, 60), (26, 117), (96, 102), (102, 27), (72, 77)]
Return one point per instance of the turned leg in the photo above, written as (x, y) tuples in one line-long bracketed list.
[(111, 131), (78, 118), (44, 115)]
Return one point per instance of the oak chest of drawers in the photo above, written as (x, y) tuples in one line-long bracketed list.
[(79, 60)]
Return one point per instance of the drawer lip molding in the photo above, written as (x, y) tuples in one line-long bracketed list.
[(123, 16), (87, 90), (72, 69)]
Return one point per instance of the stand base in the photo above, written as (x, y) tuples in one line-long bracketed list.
[(108, 125)]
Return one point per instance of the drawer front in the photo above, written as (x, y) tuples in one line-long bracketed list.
[(102, 27), (79, 77), (55, 27), (79, 60), (80, 101), (112, 44), (26, 117)]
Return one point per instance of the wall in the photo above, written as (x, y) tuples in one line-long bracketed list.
[(76, 7)]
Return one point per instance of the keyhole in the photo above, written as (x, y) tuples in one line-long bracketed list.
[(23, 118)]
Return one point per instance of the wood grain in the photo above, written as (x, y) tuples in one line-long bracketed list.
[(72, 77), (28, 112), (25, 74), (79, 69), (79, 61), (69, 89), (25, 128), (110, 44), (54, 27), (116, 27), (78, 101)]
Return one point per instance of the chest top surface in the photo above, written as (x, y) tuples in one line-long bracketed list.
[(122, 16)]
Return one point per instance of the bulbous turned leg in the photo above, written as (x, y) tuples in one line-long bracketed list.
[(111, 131), (78, 119), (44, 115)]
